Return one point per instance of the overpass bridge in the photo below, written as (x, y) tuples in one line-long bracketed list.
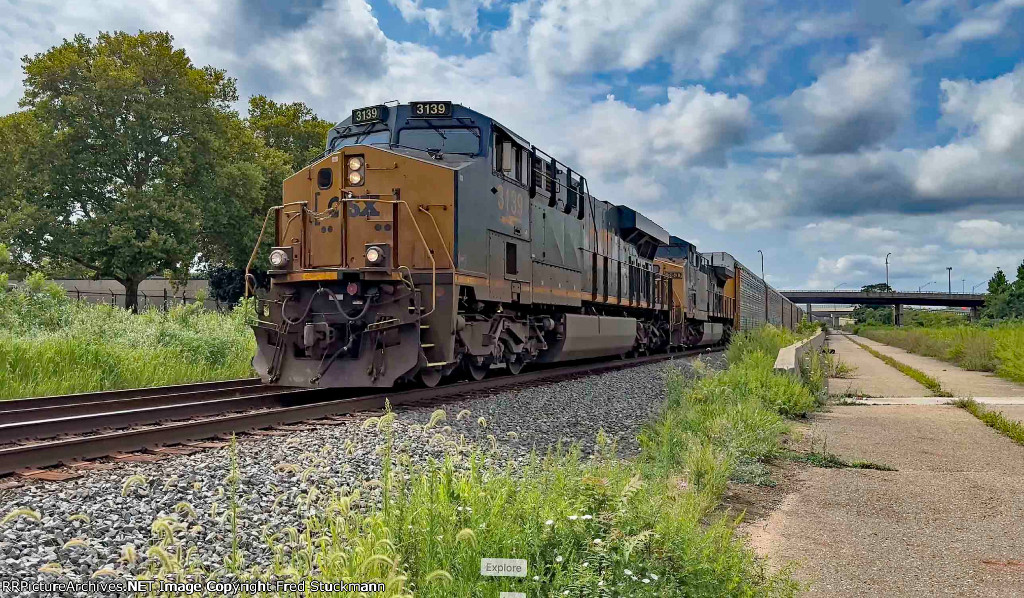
[(897, 299)]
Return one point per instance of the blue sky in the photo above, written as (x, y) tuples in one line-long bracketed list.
[(825, 133)]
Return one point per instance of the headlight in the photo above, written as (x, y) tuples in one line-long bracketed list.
[(374, 255), (355, 167), (278, 258)]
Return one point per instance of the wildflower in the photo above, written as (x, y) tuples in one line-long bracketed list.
[(536, 578), (628, 572), (549, 522), (573, 517), (585, 564), (559, 559), (588, 516), (653, 576), (645, 580), (600, 583), (597, 541), (459, 509), (565, 593)]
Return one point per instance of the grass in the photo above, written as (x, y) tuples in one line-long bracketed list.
[(595, 526), (51, 344), (825, 459), (998, 348), (836, 368), (925, 380), (1012, 429)]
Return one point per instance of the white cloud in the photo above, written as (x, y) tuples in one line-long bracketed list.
[(858, 104), (572, 37), (985, 21), (985, 233), (984, 162), (692, 127), (830, 230), (459, 16)]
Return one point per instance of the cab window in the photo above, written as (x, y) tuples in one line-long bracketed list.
[(447, 140), (510, 159), (383, 136)]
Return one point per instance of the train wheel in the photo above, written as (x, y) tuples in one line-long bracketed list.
[(430, 377), (515, 365), (473, 370)]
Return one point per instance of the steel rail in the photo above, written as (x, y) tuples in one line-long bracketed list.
[(177, 408), (35, 414), (65, 450), (130, 393)]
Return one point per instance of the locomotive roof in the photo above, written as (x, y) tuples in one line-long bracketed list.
[(402, 116)]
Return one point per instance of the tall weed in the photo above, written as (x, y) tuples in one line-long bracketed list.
[(52, 344)]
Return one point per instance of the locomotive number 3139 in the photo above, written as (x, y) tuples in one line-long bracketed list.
[(431, 109)]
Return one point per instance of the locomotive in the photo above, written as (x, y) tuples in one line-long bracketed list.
[(429, 240)]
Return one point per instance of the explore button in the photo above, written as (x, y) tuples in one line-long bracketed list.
[(503, 567)]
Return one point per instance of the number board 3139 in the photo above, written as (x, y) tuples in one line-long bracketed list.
[(370, 114), (430, 109)]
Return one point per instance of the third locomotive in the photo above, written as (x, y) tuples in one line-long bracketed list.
[(430, 240)]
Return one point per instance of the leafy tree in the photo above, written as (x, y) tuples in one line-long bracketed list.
[(998, 283), (127, 161), (880, 287), (877, 315), (292, 128), (119, 153)]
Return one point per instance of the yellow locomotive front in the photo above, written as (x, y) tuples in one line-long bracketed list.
[(361, 268)]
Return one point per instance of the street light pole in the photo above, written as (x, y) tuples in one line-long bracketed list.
[(924, 285), (837, 286), (976, 286), (887, 287), (963, 285), (765, 283), (949, 271)]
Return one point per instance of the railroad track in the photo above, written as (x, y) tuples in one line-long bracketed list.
[(49, 431)]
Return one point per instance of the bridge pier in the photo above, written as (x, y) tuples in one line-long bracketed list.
[(897, 314), (974, 314)]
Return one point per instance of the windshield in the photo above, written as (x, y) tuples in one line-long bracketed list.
[(445, 140), (361, 138)]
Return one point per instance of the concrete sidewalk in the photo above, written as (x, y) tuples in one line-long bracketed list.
[(962, 383), (870, 377), (949, 522)]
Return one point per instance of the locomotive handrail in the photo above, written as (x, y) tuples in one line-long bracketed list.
[(412, 217), (440, 237), (259, 239)]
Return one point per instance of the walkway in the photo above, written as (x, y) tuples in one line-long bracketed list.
[(949, 521), (962, 383)]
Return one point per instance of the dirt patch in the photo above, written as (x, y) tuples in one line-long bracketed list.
[(756, 502)]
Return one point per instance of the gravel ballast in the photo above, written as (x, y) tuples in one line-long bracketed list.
[(108, 510)]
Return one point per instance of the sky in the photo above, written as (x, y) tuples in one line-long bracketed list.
[(826, 134)]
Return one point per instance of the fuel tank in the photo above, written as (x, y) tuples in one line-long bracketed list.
[(583, 337)]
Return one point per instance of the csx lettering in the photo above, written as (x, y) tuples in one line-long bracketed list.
[(368, 209)]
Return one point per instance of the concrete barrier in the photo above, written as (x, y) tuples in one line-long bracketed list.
[(791, 357)]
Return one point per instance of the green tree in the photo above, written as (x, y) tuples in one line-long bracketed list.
[(292, 128), (998, 283), (876, 315), (128, 161)]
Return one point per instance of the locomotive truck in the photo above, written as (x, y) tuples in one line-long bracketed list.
[(429, 240)]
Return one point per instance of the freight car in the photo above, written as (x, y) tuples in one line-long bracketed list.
[(430, 240)]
